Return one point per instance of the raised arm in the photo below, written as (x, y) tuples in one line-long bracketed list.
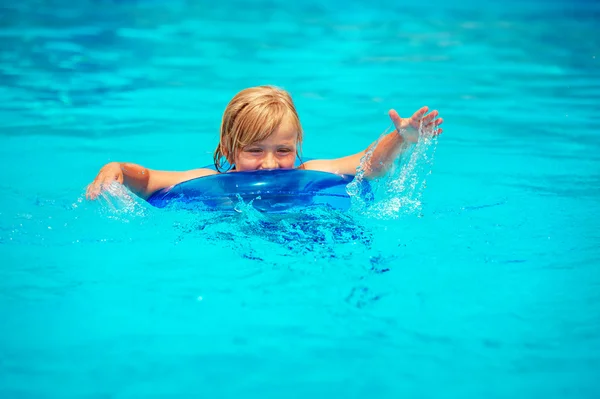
[(388, 148), (140, 180)]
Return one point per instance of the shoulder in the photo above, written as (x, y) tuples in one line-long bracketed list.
[(160, 179), (315, 164), (346, 165), (195, 173)]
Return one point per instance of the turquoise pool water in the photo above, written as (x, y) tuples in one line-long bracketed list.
[(477, 275)]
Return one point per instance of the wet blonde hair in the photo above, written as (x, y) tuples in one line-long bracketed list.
[(252, 116)]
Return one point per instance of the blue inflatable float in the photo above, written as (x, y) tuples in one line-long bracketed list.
[(277, 190)]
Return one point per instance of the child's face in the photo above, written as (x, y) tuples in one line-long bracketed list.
[(278, 151)]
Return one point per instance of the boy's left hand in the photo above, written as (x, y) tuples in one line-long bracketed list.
[(420, 122)]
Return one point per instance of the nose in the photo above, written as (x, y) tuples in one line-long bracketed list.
[(269, 161)]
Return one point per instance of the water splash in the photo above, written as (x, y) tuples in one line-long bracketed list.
[(365, 164), (251, 214), (358, 198), (116, 202), (399, 191)]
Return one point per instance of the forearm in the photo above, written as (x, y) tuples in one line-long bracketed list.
[(143, 181), (384, 154), (382, 157), (139, 179), (386, 150)]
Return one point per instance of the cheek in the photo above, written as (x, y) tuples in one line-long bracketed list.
[(288, 161), (240, 158), (244, 162)]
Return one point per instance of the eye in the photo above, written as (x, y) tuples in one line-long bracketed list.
[(254, 150), (284, 150)]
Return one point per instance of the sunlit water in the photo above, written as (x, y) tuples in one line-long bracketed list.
[(475, 274)]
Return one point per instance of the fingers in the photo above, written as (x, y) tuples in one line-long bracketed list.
[(432, 122), (420, 114), (397, 120), (89, 192), (420, 120), (394, 115), (102, 180), (93, 190), (430, 117)]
